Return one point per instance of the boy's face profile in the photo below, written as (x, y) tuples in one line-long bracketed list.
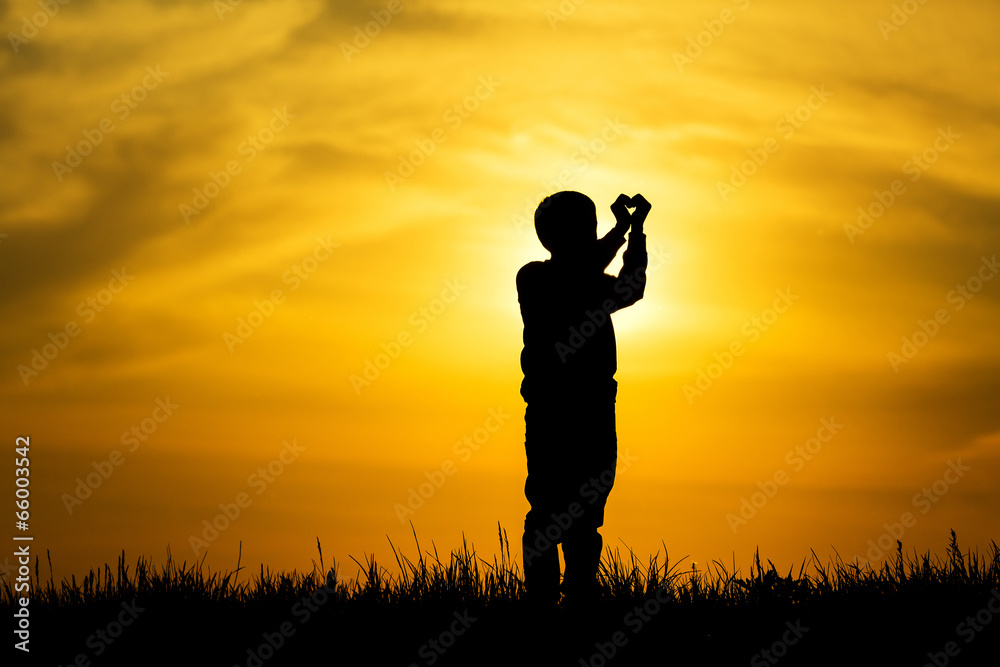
[(566, 223)]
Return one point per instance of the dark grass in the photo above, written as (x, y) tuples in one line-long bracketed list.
[(904, 612)]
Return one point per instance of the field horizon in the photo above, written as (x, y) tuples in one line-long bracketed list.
[(925, 606)]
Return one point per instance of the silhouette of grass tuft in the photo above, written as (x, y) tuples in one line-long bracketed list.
[(907, 606), (464, 577)]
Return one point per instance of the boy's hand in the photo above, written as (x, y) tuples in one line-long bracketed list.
[(622, 217), (641, 211)]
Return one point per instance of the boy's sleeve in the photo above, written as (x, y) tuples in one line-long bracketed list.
[(527, 286), (631, 283), (608, 247)]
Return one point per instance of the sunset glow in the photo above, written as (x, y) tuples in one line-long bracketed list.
[(258, 267)]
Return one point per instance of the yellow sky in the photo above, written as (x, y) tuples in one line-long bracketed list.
[(217, 217)]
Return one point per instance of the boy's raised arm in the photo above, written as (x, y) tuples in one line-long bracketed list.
[(631, 283), (611, 243)]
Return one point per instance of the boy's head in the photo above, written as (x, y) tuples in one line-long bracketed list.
[(566, 222)]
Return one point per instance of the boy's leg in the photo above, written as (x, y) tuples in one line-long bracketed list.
[(543, 488), (583, 558), (541, 560), (583, 544)]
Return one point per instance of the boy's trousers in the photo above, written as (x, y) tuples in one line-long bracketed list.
[(571, 446)]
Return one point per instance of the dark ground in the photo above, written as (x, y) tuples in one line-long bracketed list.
[(914, 627)]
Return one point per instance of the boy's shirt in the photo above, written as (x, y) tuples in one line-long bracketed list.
[(569, 339)]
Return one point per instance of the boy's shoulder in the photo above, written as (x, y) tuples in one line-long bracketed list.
[(531, 272), (542, 271)]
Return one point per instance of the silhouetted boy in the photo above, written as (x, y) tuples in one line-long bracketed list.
[(569, 362)]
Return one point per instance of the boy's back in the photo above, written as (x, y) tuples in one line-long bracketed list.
[(569, 340), (566, 303)]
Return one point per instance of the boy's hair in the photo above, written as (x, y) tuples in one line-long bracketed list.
[(565, 221)]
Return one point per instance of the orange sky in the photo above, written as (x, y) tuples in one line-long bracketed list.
[(217, 217)]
